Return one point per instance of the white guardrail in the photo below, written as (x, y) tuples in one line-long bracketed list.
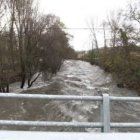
[(104, 100)]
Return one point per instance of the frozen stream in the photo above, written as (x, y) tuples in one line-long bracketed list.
[(74, 78)]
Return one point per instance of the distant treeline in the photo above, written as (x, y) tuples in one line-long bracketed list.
[(120, 53), (30, 43)]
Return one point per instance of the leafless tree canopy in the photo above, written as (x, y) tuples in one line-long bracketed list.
[(30, 42)]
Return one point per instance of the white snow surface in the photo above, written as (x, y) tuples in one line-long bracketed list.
[(15, 87), (22, 135)]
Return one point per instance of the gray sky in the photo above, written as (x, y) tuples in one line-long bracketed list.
[(77, 13)]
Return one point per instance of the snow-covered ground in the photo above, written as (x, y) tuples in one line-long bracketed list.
[(15, 87)]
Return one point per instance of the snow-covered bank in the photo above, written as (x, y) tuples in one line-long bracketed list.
[(40, 82)]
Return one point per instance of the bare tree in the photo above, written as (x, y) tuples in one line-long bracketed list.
[(132, 15), (4, 82), (104, 25), (133, 12), (33, 35), (55, 44), (28, 26), (94, 36), (21, 42), (114, 24)]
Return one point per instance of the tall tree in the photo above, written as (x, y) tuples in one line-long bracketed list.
[(55, 44), (94, 36), (28, 28)]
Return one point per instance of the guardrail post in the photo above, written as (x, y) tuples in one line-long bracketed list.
[(105, 113)]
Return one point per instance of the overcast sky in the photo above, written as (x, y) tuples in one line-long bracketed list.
[(77, 13)]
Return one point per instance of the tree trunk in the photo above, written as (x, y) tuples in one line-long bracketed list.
[(23, 78), (7, 88), (30, 83)]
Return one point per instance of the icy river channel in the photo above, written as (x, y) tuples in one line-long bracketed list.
[(74, 78)]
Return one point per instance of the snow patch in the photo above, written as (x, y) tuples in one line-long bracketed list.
[(15, 87)]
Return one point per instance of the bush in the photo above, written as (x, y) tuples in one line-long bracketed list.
[(127, 71)]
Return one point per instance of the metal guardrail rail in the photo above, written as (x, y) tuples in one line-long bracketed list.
[(104, 100)]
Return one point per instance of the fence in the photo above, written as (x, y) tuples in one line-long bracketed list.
[(104, 100)]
